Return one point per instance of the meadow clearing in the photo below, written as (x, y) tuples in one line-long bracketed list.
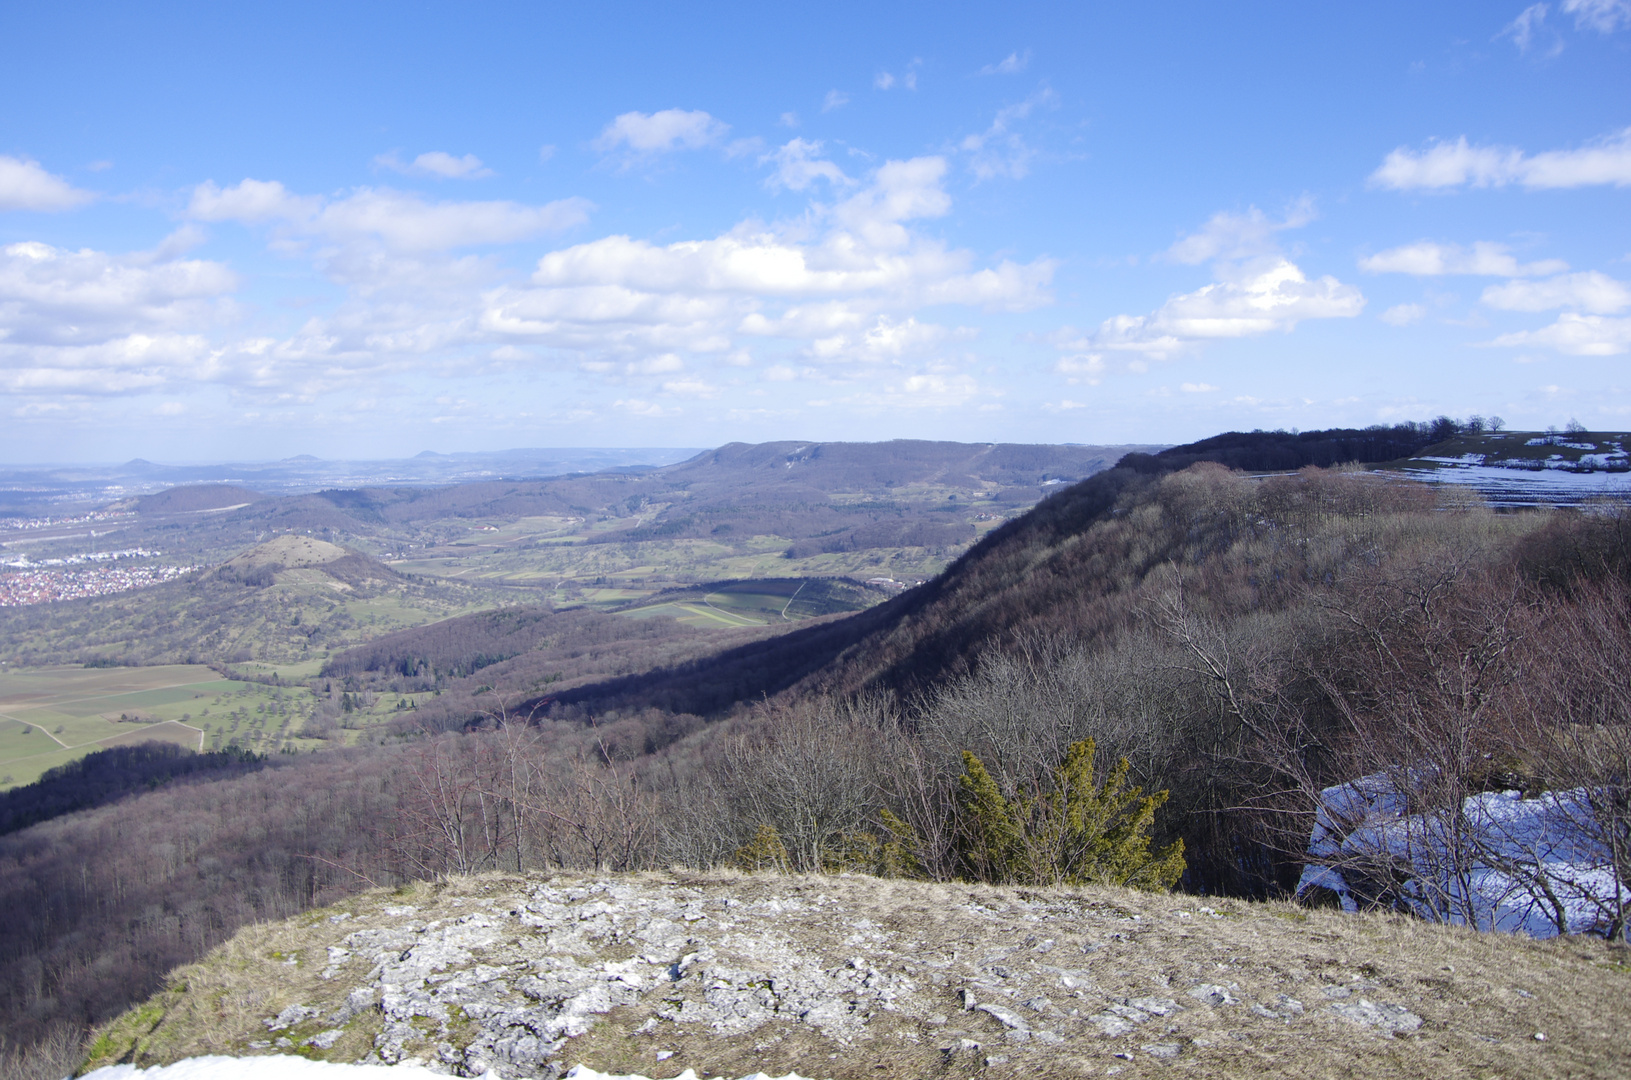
[(50, 716)]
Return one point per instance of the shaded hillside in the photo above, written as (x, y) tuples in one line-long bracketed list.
[(523, 652), (195, 499), (112, 774), (1030, 575)]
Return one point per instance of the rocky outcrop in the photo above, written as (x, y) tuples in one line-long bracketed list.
[(526, 977)]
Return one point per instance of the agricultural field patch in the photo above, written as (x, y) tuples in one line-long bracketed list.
[(757, 602), (50, 716)]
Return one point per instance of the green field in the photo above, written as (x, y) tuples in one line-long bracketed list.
[(555, 556), (52, 715)]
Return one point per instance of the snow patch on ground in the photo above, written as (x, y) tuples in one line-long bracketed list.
[(1534, 865), (1549, 485)]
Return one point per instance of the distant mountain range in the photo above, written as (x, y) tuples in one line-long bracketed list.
[(22, 485)]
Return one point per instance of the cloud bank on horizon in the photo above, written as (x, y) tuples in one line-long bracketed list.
[(626, 229)]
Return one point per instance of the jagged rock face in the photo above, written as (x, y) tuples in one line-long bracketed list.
[(525, 977)]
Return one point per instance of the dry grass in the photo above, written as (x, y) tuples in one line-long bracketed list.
[(1482, 998)]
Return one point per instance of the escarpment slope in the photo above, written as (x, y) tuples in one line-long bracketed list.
[(845, 976)]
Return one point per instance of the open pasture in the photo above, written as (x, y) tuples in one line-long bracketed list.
[(52, 715), (569, 571), (756, 602)]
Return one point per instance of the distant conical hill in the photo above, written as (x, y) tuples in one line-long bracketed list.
[(263, 562)]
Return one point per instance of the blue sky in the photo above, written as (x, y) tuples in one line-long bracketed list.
[(366, 230)]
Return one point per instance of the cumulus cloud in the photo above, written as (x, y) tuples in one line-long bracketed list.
[(662, 132), (1442, 165), (836, 294), (934, 391), (92, 322), (399, 220), (25, 185), (845, 281), (1403, 314), (439, 164), (1266, 295), (1231, 236), (1081, 368), (835, 99), (1585, 329), (1591, 292), (251, 201), (1012, 64), (1576, 335), (1427, 259), (798, 165)]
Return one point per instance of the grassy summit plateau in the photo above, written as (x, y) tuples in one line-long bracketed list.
[(853, 976)]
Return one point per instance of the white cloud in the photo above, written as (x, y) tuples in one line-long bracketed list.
[(438, 163), (691, 388), (1529, 27), (1603, 16), (932, 391), (1576, 335), (789, 120), (1198, 388), (1427, 259), (399, 220), (656, 365), (798, 166), (251, 201), (1081, 368), (94, 323), (662, 132), (835, 99), (1606, 160), (639, 407), (1591, 292), (51, 295), (885, 80), (1267, 295), (1239, 236), (1403, 314), (999, 150), (845, 281), (408, 223), (1012, 64), (24, 185)]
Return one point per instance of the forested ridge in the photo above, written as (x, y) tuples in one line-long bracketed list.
[(1215, 627)]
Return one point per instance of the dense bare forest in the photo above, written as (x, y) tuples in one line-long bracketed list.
[(1220, 647)]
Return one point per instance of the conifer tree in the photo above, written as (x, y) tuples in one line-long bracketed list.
[(1078, 832)]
